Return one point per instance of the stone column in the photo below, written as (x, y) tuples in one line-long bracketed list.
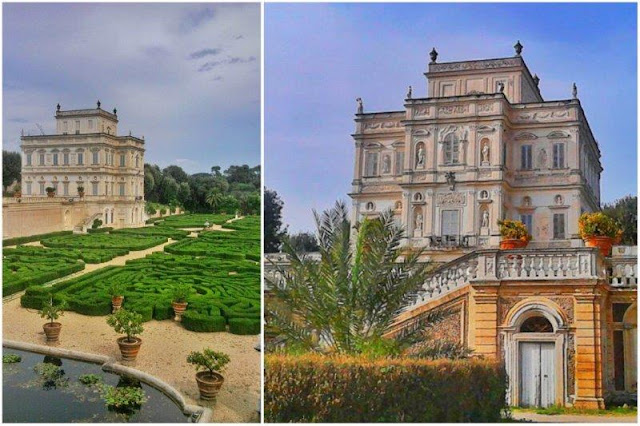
[(429, 216), (589, 392)]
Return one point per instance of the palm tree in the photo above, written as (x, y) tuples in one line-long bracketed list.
[(347, 300), (214, 199)]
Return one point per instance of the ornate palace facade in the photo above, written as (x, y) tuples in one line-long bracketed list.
[(86, 162), (482, 146)]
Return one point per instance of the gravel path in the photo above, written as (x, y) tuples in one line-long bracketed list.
[(164, 350)]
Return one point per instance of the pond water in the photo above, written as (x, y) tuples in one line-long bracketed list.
[(28, 397)]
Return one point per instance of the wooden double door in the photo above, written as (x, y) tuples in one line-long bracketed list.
[(537, 374)]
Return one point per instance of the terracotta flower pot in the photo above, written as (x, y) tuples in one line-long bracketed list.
[(52, 331), (80, 194), (116, 302), (602, 243), (512, 243), (129, 350), (209, 384), (178, 309), (17, 194)]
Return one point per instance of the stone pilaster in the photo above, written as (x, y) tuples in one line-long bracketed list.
[(589, 390)]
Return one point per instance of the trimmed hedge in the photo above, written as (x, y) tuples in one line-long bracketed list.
[(195, 321), (244, 326), (99, 230), (356, 390), (105, 241), (194, 220), (32, 238), (176, 234)]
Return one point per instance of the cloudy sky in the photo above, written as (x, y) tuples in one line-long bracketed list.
[(184, 76), (320, 57)]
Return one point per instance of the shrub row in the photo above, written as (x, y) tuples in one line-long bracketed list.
[(176, 234), (105, 241), (194, 220), (315, 388), (32, 238), (99, 230)]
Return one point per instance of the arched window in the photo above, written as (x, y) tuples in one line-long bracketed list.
[(370, 206), (451, 149), (417, 196), (537, 324)]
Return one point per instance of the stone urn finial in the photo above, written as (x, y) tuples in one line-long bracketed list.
[(518, 48), (536, 79), (58, 107), (98, 104), (574, 91), (115, 111), (434, 55)]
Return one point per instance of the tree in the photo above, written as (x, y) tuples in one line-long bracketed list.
[(229, 204), (625, 212), (214, 199), (272, 221), (176, 172), (346, 301), (184, 194), (168, 190), (11, 168), (304, 242)]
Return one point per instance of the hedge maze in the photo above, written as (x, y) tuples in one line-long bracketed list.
[(193, 220), (105, 241), (21, 269), (174, 234), (222, 269)]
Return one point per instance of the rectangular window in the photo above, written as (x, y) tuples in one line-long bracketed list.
[(80, 158), (95, 157), (42, 159), (94, 188), (41, 188), (28, 188), (29, 159), (122, 189), (450, 222), (65, 188), (558, 226), (527, 219), (371, 168), (121, 160), (558, 155), (55, 158), (525, 158), (65, 158), (399, 163)]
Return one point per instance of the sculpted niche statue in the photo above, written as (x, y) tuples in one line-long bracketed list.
[(485, 219), (420, 157), (386, 164), (360, 106), (542, 159), (485, 153), (417, 232)]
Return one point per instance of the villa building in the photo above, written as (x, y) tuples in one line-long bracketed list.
[(85, 171), (482, 146)]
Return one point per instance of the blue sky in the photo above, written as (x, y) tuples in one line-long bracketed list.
[(184, 76), (320, 57)]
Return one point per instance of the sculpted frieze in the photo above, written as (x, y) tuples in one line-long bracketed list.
[(451, 198), (449, 110), (475, 65), (543, 116), (485, 107), (382, 125), (380, 188)]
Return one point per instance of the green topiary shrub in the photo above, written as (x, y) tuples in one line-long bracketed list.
[(195, 321), (357, 390), (99, 230), (244, 326)]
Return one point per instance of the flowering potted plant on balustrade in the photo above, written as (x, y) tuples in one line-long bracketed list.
[(81, 191), (51, 191), (514, 234), (599, 230)]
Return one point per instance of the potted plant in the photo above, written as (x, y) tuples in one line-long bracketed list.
[(599, 230), (51, 191), (514, 234), (179, 301), (81, 191), (116, 291), (52, 313), (129, 323), (211, 363)]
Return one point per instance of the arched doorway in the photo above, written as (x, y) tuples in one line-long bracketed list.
[(535, 354)]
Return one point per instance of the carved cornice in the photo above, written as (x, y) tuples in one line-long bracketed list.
[(485, 64)]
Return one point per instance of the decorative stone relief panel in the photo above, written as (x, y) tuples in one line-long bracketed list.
[(451, 198)]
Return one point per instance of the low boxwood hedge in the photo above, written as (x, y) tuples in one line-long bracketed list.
[(356, 390), (99, 230), (32, 238), (195, 321), (244, 326)]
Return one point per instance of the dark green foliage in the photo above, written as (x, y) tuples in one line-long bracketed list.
[(99, 230), (105, 241), (273, 231), (244, 326), (304, 242), (97, 223), (174, 234), (359, 390), (194, 220), (32, 238), (194, 321), (11, 358), (625, 212), (11, 168), (90, 379)]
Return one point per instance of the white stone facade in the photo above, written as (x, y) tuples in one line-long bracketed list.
[(482, 146), (86, 152)]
